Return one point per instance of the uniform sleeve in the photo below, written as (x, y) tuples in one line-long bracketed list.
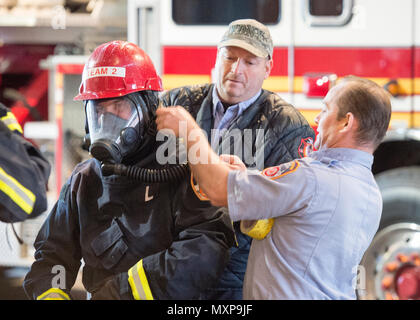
[(24, 174), (58, 254), (196, 258), (276, 191)]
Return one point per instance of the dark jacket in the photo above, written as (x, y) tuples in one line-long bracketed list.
[(24, 173), (286, 136), (112, 223)]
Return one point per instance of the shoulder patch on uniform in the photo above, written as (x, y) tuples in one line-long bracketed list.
[(306, 146), (197, 190), (276, 172)]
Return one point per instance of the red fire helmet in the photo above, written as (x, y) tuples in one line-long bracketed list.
[(115, 69)]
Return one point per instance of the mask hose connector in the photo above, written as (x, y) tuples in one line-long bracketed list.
[(174, 173)]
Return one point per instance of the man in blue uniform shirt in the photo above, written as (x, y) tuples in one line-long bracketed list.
[(314, 217)]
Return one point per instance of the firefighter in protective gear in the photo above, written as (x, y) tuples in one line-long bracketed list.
[(24, 173), (137, 240)]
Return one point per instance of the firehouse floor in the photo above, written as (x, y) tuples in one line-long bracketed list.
[(11, 280)]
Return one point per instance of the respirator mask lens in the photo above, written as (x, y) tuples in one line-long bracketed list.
[(113, 127)]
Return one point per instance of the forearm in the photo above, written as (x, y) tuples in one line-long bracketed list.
[(24, 176), (210, 172)]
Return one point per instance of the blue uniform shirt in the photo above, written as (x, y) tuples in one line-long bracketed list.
[(327, 209)]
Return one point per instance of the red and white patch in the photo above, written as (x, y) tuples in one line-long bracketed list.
[(276, 172), (306, 146), (271, 172)]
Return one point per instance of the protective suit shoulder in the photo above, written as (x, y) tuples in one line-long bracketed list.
[(186, 96)]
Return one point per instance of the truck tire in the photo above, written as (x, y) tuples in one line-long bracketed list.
[(395, 250), (400, 189)]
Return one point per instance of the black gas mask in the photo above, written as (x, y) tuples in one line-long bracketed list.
[(120, 132), (116, 127)]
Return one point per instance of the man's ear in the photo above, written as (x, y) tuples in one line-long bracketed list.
[(268, 67), (348, 123)]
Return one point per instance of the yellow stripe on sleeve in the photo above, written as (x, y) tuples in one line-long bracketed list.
[(53, 294), (22, 196), (10, 121), (138, 282)]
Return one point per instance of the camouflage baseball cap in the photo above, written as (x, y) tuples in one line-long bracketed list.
[(251, 35)]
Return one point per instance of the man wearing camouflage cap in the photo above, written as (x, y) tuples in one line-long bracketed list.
[(236, 105)]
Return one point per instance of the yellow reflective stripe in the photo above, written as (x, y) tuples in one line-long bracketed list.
[(23, 197), (53, 294), (132, 281), (138, 282), (11, 122), (15, 127)]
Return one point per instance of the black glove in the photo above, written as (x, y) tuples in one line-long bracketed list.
[(113, 288)]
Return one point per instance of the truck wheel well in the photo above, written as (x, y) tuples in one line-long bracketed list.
[(396, 154)]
